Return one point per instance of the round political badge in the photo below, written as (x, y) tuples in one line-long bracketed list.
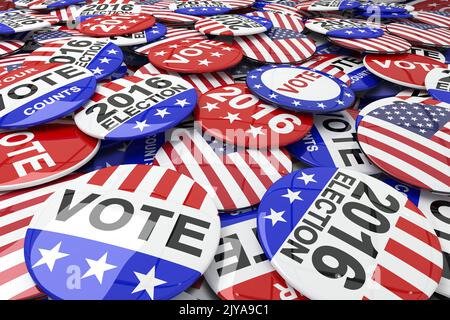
[(41, 154), (300, 89), (287, 7), (134, 107), (327, 5), (421, 34), (107, 7), (173, 18), (385, 7), (201, 8), (240, 270), (426, 52), (232, 25), (53, 33), (127, 231), (409, 141), (344, 28), (8, 47), (437, 83), (100, 56), (33, 95), (332, 143), (233, 114), (142, 37), (384, 15), (276, 46), (350, 70), (386, 44), (66, 15), (45, 4), (406, 69), (15, 21), (307, 223), (235, 177), (195, 56), (280, 20), (116, 24), (434, 18), (12, 62), (431, 5)]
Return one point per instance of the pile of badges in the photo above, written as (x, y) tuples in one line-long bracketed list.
[(233, 149)]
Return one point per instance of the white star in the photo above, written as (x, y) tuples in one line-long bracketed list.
[(204, 62), (49, 257), (349, 32), (148, 282), (257, 86), (321, 105), (232, 117), (210, 106), (273, 96), (275, 217), (255, 131), (160, 53), (141, 125), (227, 48), (307, 178), (98, 267), (340, 102), (97, 71), (112, 51), (105, 60), (123, 27), (173, 46), (347, 94), (217, 54), (182, 103), (161, 112), (296, 103), (292, 196)]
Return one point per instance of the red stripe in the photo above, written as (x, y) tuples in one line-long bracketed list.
[(101, 176), (11, 247), (165, 184), (25, 204), (418, 233), (397, 285), (195, 197), (16, 225), (410, 206), (256, 168), (172, 154), (32, 293), (134, 178), (241, 180), (12, 273), (134, 79), (415, 260), (113, 86)]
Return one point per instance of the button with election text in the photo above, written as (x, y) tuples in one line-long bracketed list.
[(16, 21), (16, 211), (201, 8), (327, 5), (45, 4), (41, 154), (100, 56), (434, 18), (33, 95), (332, 143), (344, 28), (116, 24), (430, 53), (141, 37), (235, 177), (421, 34), (350, 70), (437, 209), (386, 44), (233, 114), (300, 88), (195, 56), (306, 225), (409, 141), (406, 69), (123, 233), (277, 46), (8, 47), (280, 20), (232, 25), (240, 269), (133, 107), (437, 83), (106, 7)]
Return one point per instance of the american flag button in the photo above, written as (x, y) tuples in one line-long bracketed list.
[(300, 89), (240, 269), (16, 21), (421, 34), (280, 19), (232, 25), (340, 234), (384, 7), (45, 4), (386, 44), (123, 232), (434, 18), (344, 28), (8, 47), (53, 33)]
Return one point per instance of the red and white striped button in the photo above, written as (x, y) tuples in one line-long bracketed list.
[(10, 46), (281, 20), (324, 63), (421, 34), (434, 18), (386, 44)]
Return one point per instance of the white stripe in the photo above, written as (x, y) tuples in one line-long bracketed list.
[(291, 50), (117, 178), (282, 158), (273, 46), (376, 291), (264, 164), (163, 159), (16, 286), (13, 236), (150, 180), (12, 259), (418, 220), (180, 190), (19, 215)]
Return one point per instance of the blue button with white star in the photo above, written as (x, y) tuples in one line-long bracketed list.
[(201, 8), (100, 56), (134, 107), (300, 89)]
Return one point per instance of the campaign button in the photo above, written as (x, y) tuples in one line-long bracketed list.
[(437, 83), (201, 8), (195, 56), (276, 46), (385, 7), (307, 224), (280, 20), (232, 25), (12, 62), (406, 69), (431, 5), (45, 35), (332, 143), (300, 89), (434, 18), (67, 15), (8, 47), (107, 7), (426, 52), (386, 15), (16, 211), (110, 153), (327, 5), (386, 44), (344, 28), (409, 141), (45, 4), (134, 107), (33, 95), (240, 270), (123, 233), (173, 18), (142, 37), (233, 114), (116, 24), (287, 7), (143, 151), (100, 56), (235, 177), (422, 34), (15, 21), (41, 154)]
